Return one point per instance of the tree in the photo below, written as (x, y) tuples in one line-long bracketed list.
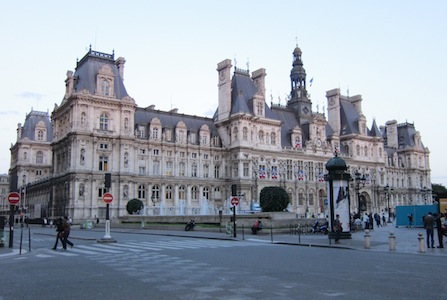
[(134, 206), (274, 198)]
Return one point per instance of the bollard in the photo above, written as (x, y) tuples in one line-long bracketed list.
[(392, 241), (367, 239), (421, 243)]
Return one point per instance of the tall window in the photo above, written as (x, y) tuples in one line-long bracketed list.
[(194, 170), (40, 135), (206, 193), (105, 88), (261, 137), (273, 138), (245, 134), (195, 193), (235, 137), (235, 170), (141, 192), (103, 163), (169, 165), (156, 167), (246, 169), (206, 171), (181, 169), (83, 118), (155, 192), (39, 157), (182, 192), (155, 133), (126, 123), (104, 122), (216, 171), (168, 192), (260, 108)]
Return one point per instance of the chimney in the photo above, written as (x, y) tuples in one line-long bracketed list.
[(120, 64)]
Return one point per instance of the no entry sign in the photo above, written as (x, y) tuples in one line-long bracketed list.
[(13, 198), (107, 198), (234, 201)]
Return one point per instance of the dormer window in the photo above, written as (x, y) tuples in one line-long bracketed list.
[(260, 109), (40, 135), (105, 88)]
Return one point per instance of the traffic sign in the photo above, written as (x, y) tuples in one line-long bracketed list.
[(234, 201), (13, 198), (107, 198)]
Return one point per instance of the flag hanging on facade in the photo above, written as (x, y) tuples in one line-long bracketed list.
[(274, 172), (262, 171), (311, 81)]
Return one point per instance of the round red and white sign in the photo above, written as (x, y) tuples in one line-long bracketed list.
[(13, 198), (234, 201), (107, 198)]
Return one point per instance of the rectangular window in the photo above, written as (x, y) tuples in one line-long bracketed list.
[(142, 151), (142, 170), (103, 146), (156, 167), (194, 155), (235, 170), (216, 171), (103, 163), (182, 154), (205, 156), (169, 168), (181, 169), (289, 170), (246, 169), (101, 191), (169, 153), (205, 171), (194, 170), (155, 152)]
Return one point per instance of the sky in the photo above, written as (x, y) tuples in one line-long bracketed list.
[(390, 52)]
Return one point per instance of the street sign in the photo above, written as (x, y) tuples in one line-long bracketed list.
[(234, 201), (13, 198), (107, 198)]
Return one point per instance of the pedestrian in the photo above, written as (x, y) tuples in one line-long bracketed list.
[(59, 232), (337, 228), (443, 224), (366, 220), (383, 219), (429, 222), (410, 220), (256, 227), (439, 230), (66, 233), (377, 219)]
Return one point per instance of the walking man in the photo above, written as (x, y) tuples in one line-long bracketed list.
[(337, 229), (66, 233)]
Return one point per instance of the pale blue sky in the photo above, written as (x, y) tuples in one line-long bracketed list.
[(392, 53)]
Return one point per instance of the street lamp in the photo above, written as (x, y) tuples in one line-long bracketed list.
[(359, 183), (425, 192), (388, 192)]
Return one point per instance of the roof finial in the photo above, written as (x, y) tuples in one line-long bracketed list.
[(248, 64)]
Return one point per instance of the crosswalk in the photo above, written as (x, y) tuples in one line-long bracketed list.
[(95, 249)]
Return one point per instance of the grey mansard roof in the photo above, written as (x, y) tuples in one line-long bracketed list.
[(31, 121), (87, 70), (144, 116)]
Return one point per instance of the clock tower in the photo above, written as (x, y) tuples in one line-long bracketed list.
[(299, 100)]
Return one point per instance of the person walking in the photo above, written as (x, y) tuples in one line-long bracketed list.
[(66, 233), (429, 222), (439, 230), (410, 220), (59, 233), (337, 228)]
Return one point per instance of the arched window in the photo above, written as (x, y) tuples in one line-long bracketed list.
[(206, 193), (195, 193), (126, 123), (182, 192), (155, 193), (168, 192), (104, 122)]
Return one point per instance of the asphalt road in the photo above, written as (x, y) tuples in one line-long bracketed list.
[(142, 266)]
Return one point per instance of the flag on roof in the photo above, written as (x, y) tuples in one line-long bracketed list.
[(311, 81)]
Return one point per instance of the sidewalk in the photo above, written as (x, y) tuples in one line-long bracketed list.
[(406, 240)]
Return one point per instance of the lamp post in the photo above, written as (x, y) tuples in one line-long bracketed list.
[(425, 192), (388, 192), (359, 183)]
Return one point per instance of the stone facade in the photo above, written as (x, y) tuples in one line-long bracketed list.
[(181, 164)]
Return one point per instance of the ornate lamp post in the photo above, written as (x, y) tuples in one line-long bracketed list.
[(359, 183), (425, 192), (388, 192)]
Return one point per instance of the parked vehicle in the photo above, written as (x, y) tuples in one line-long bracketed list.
[(317, 228), (190, 225)]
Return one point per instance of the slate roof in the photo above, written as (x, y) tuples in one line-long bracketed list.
[(32, 119), (87, 69)]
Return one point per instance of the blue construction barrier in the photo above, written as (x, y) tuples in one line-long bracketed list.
[(418, 211)]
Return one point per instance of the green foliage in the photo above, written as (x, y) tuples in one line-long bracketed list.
[(438, 189), (134, 206), (274, 198)]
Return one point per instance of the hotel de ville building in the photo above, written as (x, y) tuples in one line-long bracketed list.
[(179, 164)]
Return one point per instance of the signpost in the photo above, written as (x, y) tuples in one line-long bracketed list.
[(107, 198), (13, 199), (234, 201)]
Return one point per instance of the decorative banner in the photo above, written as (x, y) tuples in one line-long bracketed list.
[(262, 173), (300, 175), (274, 172), (341, 203), (321, 177)]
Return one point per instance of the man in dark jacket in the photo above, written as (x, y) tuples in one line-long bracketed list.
[(59, 233), (66, 233), (429, 222)]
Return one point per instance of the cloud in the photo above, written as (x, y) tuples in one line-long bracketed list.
[(35, 96)]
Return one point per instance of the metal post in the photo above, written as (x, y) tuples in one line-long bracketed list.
[(234, 220), (11, 225)]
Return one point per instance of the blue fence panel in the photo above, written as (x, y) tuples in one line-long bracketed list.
[(418, 211)]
